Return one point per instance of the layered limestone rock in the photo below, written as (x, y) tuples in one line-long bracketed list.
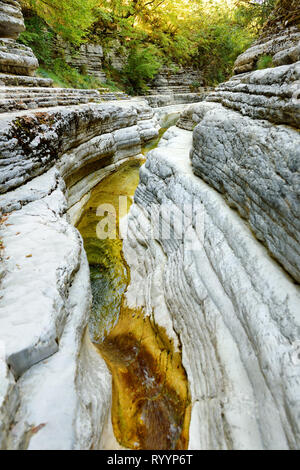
[(36, 93), (88, 59), (236, 313), (20, 90), (271, 94), (116, 54), (252, 156), (171, 99), (283, 47), (24, 81), (169, 81), (23, 98), (42, 334), (31, 143), (11, 19), (213, 252), (227, 282), (15, 58), (176, 87), (259, 176)]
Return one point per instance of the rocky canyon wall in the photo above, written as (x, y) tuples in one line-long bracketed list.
[(213, 250), (55, 389), (227, 285), (87, 59)]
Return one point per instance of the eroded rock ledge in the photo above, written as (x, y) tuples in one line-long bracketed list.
[(14, 58), (236, 312), (11, 19), (45, 157)]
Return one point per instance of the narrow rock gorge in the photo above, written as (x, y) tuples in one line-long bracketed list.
[(182, 330)]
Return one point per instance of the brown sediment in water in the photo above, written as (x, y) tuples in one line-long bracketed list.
[(151, 402)]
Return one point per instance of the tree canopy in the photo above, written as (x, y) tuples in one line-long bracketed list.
[(74, 19), (206, 34), (69, 18)]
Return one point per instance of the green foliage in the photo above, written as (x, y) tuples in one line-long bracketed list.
[(69, 18), (205, 34), (66, 76), (253, 15), (220, 39), (40, 38), (112, 85), (142, 66), (264, 62)]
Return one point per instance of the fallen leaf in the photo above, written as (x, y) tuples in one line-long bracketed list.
[(36, 429)]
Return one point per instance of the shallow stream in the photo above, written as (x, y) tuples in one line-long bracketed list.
[(150, 403)]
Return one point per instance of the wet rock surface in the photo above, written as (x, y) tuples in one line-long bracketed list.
[(150, 406)]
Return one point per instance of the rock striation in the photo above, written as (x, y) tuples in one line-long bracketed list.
[(24, 81), (171, 88), (226, 285), (282, 46), (24, 98), (213, 251), (88, 59), (21, 90), (171, 99), (15, 58), (257, 176), (11, 19), (255, 159), (270, 94), (49, 162), (38, 93), (116, 55), (235, 312), (182, 80)]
